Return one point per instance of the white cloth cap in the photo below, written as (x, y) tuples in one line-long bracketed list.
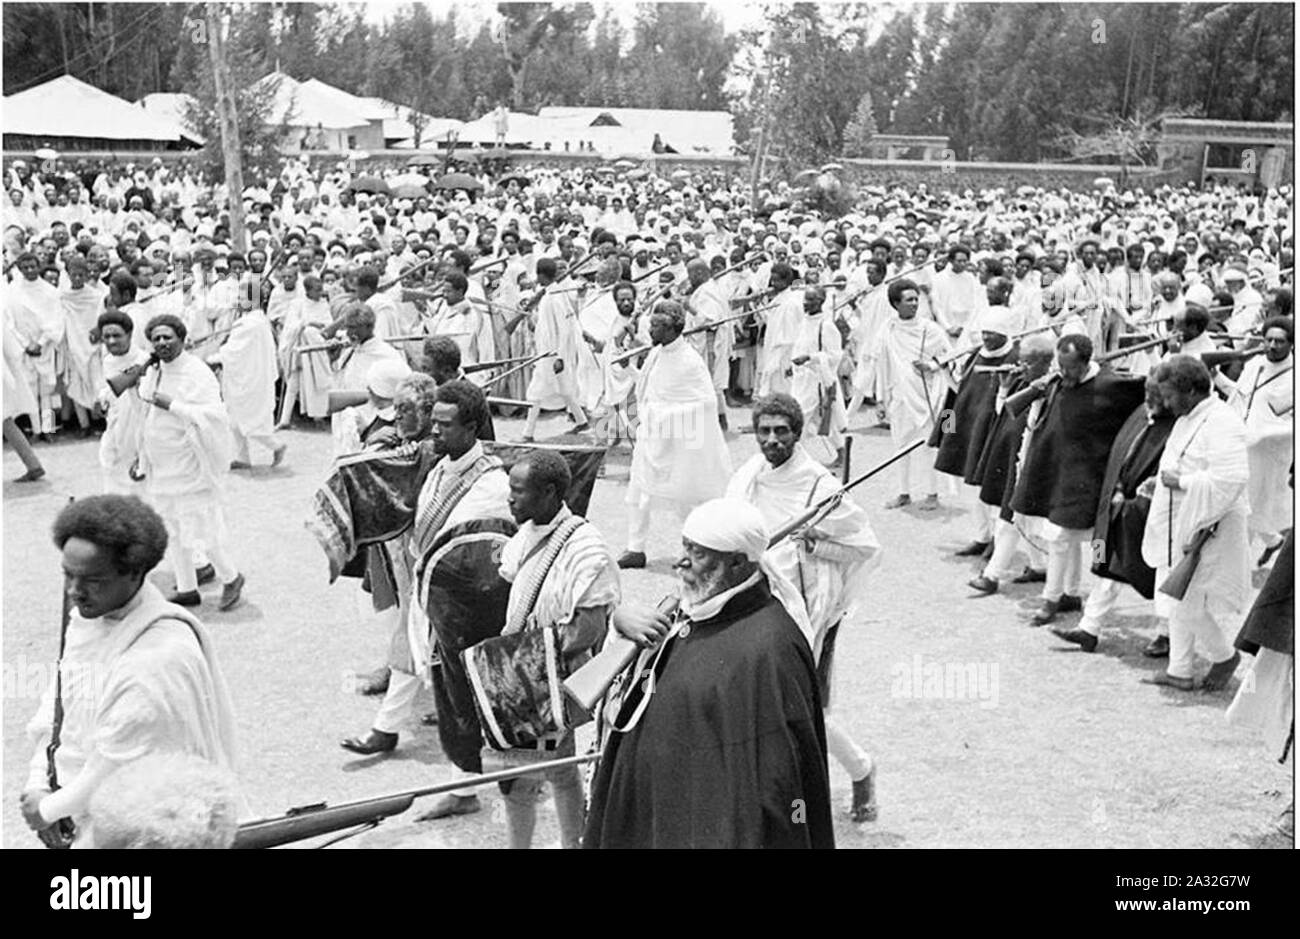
[(998, 319), (383, 377)]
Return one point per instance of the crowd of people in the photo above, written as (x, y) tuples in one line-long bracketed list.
[(1103, 377)]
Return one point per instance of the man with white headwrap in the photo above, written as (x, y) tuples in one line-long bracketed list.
[(248, 372), (680, 458), (827, 562), (722, 745)]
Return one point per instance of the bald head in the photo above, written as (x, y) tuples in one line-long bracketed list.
[(698, 271)]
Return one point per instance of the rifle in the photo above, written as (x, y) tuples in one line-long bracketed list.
[(588, 684), (326, 346), (494, 363), (308, 821), (865, 290), (1020, 400), (528, 360), (633, 353), (1180, 577), (407, 273), (63, 831)]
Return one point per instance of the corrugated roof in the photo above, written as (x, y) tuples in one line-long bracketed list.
[(68, 107)]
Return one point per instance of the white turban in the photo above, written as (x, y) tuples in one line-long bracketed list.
[(736, 526), (998, 319), (383, 377)]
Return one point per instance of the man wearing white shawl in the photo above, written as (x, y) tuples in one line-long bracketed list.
[(680, 458), (248, 373), (828, 561), (137, 676), (555, 380), (814, 380), (82, 302), (124, 409), (730, 697), (912, 388), (32, 308), (185, 456), (782, 327), (1204, 473), (708, 303), (308, 378)]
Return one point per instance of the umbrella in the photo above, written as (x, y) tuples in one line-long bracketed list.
[(458, 181), (807, 174), (45, 153), (424, 159), (681, 174), (409, 191), (515, 177), (372, 184), (832, 168), (637, 174), (625, 164)]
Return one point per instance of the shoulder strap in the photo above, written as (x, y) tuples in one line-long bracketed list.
[(554, 543)]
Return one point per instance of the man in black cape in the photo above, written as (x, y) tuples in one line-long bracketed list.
[(1061, 477), (718, 740), (968, 418), (1122, 518)]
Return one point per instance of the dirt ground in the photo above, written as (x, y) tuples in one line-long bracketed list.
[(1046, 747)]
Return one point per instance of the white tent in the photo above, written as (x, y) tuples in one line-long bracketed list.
[(66, 107), (632, 130), (168, 105)]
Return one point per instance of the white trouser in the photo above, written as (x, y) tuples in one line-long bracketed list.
[(399, 701), (1006, 540), (186, 558), (1104, 596), (918, 465), (985, 515), (241, 444), (1066, 551), (855, 760), (1192, 624), (638, 522)]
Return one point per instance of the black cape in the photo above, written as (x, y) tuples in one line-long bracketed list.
[(1271, 621), (1062, 472), (997, 463), (731, 750), (1121, 512), (967, 419)]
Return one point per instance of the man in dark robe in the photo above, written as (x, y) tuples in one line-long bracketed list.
[(721, 744), (1060, 479), (1122, 518), (967, 420), (997, 472)]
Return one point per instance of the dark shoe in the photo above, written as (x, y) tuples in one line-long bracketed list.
[(1087, 641), (240, 465), (374, 742), (31, 475), (1157, 648), (864, 807), (231, 592), (1030, 576), (1169, 681), (450, 805), (930, 503), (898, 502), (722, 422), (632, 559), (375, 682), (1070, 603), (984, 585), (277, 455), (188, 598), (974, 549), (1046, 613), (1216, 679), (206, 574)]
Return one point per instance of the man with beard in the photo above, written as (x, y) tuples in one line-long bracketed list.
[(1202, 487), (956, 295), (828, 561), (722, 745), (782, 326), (33, 312), (873, 315), (707, 303), (1060, 479), (1264, 398), (1121, 520), (962, 429), (556, 329), (82, 301), (248, 374)]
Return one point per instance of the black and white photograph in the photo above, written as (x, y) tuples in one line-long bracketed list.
[(650, 425)]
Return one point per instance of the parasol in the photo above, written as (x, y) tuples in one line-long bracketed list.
[(515, 177), (371, 184), (458, 181)]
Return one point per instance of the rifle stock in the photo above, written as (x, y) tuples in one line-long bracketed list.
[(591, 682), (1180, 577)]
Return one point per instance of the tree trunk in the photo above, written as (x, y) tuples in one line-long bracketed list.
[(227, 120)]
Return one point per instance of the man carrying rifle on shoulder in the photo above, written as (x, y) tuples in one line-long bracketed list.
[(1197, 524)]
